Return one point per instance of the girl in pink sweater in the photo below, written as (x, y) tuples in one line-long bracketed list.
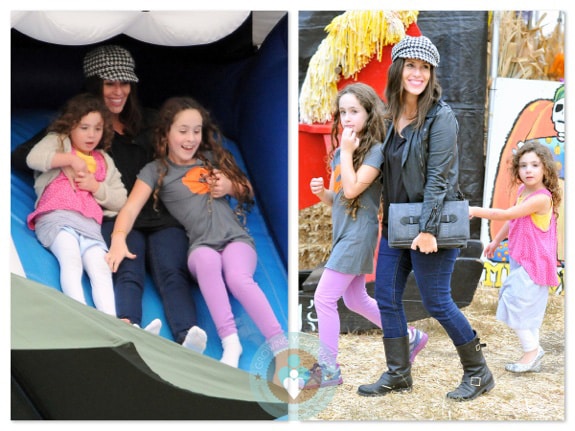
[(532, 234), (77, 183)]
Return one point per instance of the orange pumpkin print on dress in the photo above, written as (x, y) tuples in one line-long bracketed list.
[(337, 175), (196, 180)]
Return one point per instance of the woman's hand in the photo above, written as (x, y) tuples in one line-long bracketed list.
[(425, 243), (118, 251)]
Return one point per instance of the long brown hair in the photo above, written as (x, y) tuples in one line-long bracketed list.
[(550, 176), (373, 131), (78, 107), (211, 142), (394, 93)]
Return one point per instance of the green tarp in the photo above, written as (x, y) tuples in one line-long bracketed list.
[(70, 361)]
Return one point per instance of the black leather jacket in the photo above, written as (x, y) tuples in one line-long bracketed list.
[(430, 164)]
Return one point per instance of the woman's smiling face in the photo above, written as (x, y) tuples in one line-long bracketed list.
[(115, 95), (416, 74)]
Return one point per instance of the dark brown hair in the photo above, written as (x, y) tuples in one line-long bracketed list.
[(373, 131), (78, 107), (211, 142), (550, 176)]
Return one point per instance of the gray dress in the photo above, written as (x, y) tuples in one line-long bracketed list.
[(208, 222), (355, 241)]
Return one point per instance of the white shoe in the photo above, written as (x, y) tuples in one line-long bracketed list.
[(533, 366)]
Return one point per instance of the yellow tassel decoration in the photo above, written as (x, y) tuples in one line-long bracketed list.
[(354, 37)]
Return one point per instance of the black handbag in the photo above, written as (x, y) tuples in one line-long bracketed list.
[(403, 224)]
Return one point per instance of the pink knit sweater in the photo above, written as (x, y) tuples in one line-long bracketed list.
[(59, 195)]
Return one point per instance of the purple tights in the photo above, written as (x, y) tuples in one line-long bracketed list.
[(332, 286), (233, 267)]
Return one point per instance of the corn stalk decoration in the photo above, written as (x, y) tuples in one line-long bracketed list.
[(353, 39)]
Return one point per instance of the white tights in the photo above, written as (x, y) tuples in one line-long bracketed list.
[(72, 262), (529, 338)]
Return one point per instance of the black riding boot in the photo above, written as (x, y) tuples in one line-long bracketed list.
[(477, 377), (398, 374)]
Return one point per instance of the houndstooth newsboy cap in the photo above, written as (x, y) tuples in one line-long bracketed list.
[(110, 62), (419, 47)]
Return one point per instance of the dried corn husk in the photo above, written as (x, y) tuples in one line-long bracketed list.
[(526, 52)]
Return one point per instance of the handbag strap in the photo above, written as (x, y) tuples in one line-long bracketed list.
[(414, 219)]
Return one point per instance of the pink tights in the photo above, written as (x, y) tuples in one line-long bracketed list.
[(234, 266), (332, 286)]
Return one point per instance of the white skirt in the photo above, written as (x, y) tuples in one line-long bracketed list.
[(522, 303)]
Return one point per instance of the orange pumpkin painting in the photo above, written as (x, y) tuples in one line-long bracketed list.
[(534, 122)]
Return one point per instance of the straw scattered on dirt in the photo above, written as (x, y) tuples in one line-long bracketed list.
[(436, 371)]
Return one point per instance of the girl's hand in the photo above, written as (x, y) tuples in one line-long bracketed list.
[(86, 181), (316, 186), (220, 185), (78, 164), (490, 248), (349, 140)]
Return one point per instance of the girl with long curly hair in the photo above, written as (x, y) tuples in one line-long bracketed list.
[(531, 227), (193, 175)]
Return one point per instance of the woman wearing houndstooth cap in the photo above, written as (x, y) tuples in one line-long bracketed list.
[(420, 164), (419, 47), (110, 62), (109, 72), (158, 241)]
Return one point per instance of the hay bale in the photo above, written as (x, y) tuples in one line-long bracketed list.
[(314, 236)]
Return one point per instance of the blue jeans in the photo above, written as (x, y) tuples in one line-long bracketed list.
[(433, 276), (164, 253)]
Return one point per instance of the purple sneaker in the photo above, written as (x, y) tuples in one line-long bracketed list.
[(321, 376), (418, 340)]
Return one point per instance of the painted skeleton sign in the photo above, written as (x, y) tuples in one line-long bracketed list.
[(522, 110)]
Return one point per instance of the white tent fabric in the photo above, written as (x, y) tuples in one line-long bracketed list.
[(168, 28), (176, 28)]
